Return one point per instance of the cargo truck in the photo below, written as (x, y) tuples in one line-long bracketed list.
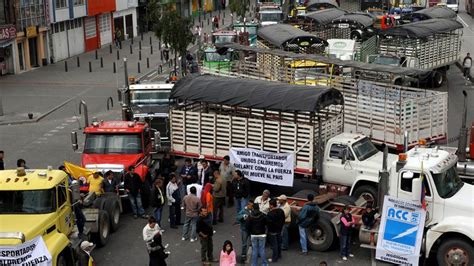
[(38, 203), (277, 117), (448, 237)]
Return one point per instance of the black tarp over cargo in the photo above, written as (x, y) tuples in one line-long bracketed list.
[(267, 95), (323, 17), (355, 20), (434, 12), (422, 29), (313, 5), (287, 37)]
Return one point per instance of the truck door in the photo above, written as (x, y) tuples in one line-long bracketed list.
[(66, 219), (405, 190), (335, 170)]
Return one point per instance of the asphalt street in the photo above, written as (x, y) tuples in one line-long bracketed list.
[(47, 142)]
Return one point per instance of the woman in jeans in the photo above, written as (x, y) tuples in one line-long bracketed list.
[(174, 201), (157, 199)]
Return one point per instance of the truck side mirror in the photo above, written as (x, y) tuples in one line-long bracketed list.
[(344, 156), (416, 189), (75, 146), (157, 140)]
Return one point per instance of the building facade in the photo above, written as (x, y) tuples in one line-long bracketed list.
[(67, 28), (98, 30), (32, 39), (7, 37), (125, 18)]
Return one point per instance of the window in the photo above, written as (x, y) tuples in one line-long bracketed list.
[(336, 152), (61, 4), (56, 28), (90, 27), (61, 26), (113, 144), (406, 182), (67, 25), (31, 13), (28, 201), (62, 196), (78, 2)]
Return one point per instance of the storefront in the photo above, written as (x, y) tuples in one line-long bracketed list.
[(7, 49), (31, 48), (126, 22), (98, 24), (68, 38)]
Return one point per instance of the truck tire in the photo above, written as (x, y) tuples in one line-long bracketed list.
[(112, 207), (345, 199), (321, 235), (100, 238), (64, 258), (455, 252), (369, 193)]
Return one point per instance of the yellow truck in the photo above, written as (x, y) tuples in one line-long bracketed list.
[(37, 223), (308, 72)]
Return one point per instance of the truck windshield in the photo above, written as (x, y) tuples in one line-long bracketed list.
[(275, 17), (113, 143), (447, 183), (215, 57), (310, 73), (224, 39), (27, 201), (160, 97), (252, 30), (364, 149), (386, 60), (452, 2)]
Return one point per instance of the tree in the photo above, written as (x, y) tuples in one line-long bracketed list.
[(171, 28), (239, 7)]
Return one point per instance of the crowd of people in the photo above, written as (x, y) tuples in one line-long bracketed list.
[(203, 191)]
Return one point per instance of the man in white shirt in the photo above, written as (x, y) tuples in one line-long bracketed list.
[(263, 201)]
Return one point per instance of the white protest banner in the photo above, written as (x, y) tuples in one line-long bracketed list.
[(33, 252), (265, 167), (401, 231)]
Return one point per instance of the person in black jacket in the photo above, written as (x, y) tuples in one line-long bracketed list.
[(257, 225), (241, 186), (157, 200), (368, 218), (133, 185), (110, 184), (205, 173), (205, 232), (188, 174), (275, 222)]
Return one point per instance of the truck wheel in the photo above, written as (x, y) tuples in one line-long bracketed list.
[(368, 192), (64, 258), (112, 207), (345, 199), (101, 237), (455, 252), (321, 235)]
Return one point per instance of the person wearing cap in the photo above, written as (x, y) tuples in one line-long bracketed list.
[(85, 258), (346, 225), (95, 183), (263, 201), (308, 215), (282, 200), (241, 187)]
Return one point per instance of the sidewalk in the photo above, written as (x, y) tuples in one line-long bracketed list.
[(45, 90)]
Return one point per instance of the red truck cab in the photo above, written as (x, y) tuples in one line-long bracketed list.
[(117, 145)]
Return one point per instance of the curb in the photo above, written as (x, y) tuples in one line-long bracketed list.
[(20, 122)]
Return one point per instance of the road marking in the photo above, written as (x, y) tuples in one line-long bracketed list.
[(48, 135), (54, 130), (42, 138), (70, 121), (64, 124), (463, 22), (60, 127), (372, 258)]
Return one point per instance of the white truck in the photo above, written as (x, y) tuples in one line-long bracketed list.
[(448, 237), (273, 117)]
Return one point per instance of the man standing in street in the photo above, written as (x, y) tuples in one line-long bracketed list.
[(275, 222), (205, 232), (227, 172), (219, 189), (2, 165), (110, 184), (95, 183), (205, 174), (307, 216), (467, 64), (241, 187), (174, 201), (188, 174), (192, 205), (282, 200), (257, 225), (133, 185), (242, 218), (157, 199), (263, 201)]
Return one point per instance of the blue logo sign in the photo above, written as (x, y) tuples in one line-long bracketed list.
[(401, 226)]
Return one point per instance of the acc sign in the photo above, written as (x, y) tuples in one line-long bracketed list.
[(401, 231), (33, 252)]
